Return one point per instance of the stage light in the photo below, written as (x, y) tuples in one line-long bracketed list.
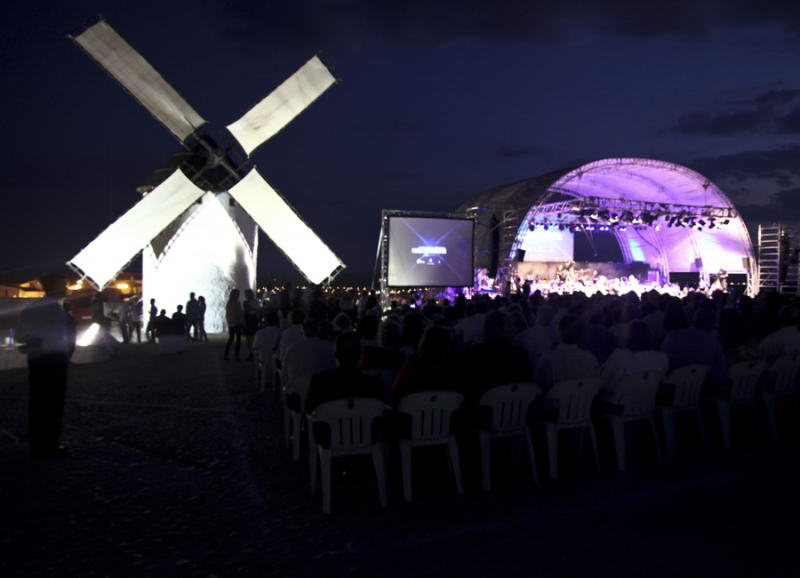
[(658, 227), (531, 225), (726, 221), (623, 228), (701, 222)]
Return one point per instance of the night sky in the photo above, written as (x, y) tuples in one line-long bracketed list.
[(438, 101)]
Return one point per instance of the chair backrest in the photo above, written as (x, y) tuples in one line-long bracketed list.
[(430, 412), (637, 392), (350, 421), (299, 386), (784, 371), (688, 381), (574, 398), (510, 403), (744, 378)]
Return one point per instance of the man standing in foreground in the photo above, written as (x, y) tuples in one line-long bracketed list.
[(47, 337)]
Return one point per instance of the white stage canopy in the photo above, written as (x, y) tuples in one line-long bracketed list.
[(671, 249)]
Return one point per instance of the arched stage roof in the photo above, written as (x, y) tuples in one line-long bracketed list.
[(646, 184)]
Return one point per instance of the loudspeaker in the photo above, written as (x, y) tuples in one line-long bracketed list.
[(520, 255), (698, 263)]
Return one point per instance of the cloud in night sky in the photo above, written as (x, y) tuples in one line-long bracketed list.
[(775, 111), (780, 165)]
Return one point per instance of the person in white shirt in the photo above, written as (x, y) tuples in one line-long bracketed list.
[(567, 360), (637, 357), (309, 355), (46, 334), (293, 333), (784, 340)]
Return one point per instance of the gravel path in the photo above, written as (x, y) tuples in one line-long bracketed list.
[(177, 468)]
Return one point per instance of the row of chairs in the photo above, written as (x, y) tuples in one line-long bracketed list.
[(567, 406)]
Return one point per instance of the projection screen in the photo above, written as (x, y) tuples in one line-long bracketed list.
[(283, 104), (282, 224), (138, 77), (104, 257), (430, 252)]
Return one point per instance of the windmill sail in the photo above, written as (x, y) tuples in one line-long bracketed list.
[(287, 230), (104, 257), (138, 77), (283, 104)]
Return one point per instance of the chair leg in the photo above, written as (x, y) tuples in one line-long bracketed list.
[(297, 433), (656, 441), (668, 421), (325, 466), (455, 460), (405, 456), (287, 426), (313, 460), (724, 411), (772, 416), (380, 472), (701, 426), (618, 431), (531, 456), (593, 440), (486, 459), (552, 449)]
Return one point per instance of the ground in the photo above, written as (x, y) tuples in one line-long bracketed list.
[(178, 468)]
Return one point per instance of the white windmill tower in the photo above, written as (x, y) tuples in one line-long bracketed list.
[(198, 227)]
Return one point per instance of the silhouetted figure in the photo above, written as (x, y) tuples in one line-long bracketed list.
[(234, 316), (192, 318), (47, 336), (161, 325), (152, 313), (201, 319), (178, 322), (250, 309)]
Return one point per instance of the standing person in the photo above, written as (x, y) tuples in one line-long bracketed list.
[(201, 319), (192, 315), (250, 319), (234, 316), (123, 317), (136, 320), (48, 339), (151, 321)]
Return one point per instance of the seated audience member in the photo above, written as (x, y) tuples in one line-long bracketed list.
[(598, 339), (737, 341), (638, 356), (694, 344), (431, 368), (537, 339), (567, 360), (497, 360), (267, 338), (386, 355), (346, 380), (309, 355), (784, 340), (368, 331), (342, 323), (293, 333)]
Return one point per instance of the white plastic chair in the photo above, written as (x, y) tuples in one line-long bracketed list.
[(688, 384), (573, 399), (265, 370), (783, 373), (430, 413), (636, 395), (294, 419), (350, 422), (744, 378), (509, 404)]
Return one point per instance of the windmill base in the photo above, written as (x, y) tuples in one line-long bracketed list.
[(209, 250)]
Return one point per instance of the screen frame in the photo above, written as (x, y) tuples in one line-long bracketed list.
[(388, 215)]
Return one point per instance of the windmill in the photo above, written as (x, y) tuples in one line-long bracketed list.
[(197, 224)]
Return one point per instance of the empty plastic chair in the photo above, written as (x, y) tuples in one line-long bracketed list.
[(782, 378), (568, 405), (686, 383), (744, 378), (430, 414), (634, 400), (349, 432), (509, 405)]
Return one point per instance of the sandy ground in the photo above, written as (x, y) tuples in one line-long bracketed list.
[(177, 468)]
